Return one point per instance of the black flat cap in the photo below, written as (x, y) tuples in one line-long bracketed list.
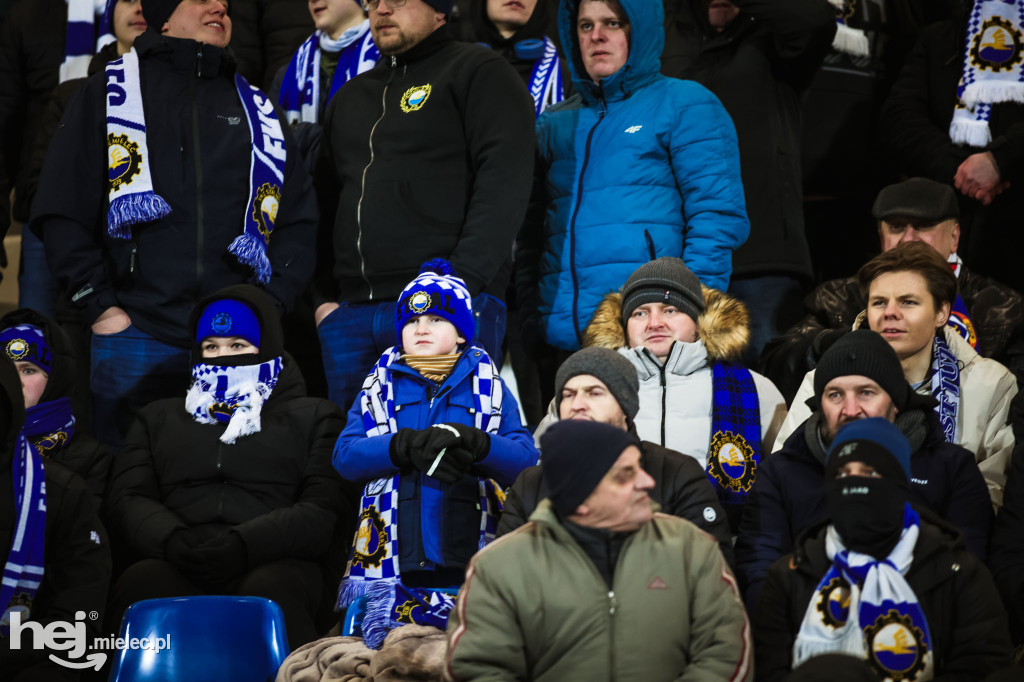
[(919, 198)]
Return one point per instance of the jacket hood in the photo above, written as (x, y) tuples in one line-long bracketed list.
[(724, 326), (12, 412), (484, 31), (63, 374), (271, 332), (647, 38)]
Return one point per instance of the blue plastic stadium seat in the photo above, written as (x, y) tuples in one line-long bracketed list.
[(241, 639)]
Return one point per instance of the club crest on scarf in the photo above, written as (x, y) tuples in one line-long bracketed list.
[(371, 546), (834, 603), (51, 441), (997, 46), (125, 160), (896, 647), (731, 462), (268, 198), (414, 98)]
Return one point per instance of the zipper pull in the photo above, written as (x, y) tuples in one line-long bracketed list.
[(611, 603), (199, 61), (131, 263), (394, 62)]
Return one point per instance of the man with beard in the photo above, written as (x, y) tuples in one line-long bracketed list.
[(430, 155), (858, 377)]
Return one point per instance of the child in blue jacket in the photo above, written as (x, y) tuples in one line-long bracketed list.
[(435, 437)]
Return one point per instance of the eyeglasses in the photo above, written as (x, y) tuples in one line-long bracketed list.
[(371, 5)]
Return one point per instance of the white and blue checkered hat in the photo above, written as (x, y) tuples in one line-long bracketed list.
[(437, 290)]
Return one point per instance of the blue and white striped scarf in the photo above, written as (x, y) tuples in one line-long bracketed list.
[(300, 91), (375, 548), (546, 85), (84, 38), (130, 185), (24, 568), (865, 608), (232, 395), (993, 68), (946, 388)]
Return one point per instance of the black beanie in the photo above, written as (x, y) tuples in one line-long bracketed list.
[(865, 353), (614, 371), (665, 280), (157, 12), (575, 456), (441, 6)]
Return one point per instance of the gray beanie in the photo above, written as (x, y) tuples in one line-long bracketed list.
[(614, 371), (665, 280)]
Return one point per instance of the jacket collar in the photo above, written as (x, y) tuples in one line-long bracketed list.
[(683, 359), (186, 55), (437, 40)]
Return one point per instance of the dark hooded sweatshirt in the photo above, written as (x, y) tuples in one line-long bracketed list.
[(76, 554)]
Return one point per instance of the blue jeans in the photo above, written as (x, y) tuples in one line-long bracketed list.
[(355, 335), (37, 288), (131, 369), (774, 303)]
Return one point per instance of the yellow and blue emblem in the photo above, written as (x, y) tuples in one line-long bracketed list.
[(268, 200), (834, 603), (371, 547), (731, 462), (414, 98), (222, 412), (17, 349), (50, 441), (896, 647), (124, 160), (419, 302), (997, 46), (963, 326)]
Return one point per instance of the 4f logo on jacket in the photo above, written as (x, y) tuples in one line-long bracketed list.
[(415, 97)]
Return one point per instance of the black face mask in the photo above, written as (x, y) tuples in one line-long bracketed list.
[(867, 512)]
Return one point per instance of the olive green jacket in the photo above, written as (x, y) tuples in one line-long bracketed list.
[(534, 607)]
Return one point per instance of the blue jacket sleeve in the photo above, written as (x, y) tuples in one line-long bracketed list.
[(512, 448), (359, 457), (706, 165), (764, 534)]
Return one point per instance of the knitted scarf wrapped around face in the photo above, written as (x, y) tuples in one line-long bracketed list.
[(865, 608), (993, 68), (232, 395)]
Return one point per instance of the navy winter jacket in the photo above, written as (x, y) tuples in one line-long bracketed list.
[(636, 167), (789, 496), (444, 518)]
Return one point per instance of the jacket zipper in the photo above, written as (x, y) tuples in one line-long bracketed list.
[(196, 149), (362, 188), (572, 224), (664, 396), (612, 603)]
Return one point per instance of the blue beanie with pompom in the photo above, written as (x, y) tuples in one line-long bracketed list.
[(437, 290)]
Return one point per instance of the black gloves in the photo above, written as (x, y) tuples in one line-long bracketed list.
[(473, 440), (443, 451), (211, 563)]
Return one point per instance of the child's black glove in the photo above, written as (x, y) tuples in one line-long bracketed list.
[(434, 450), (473, 440)]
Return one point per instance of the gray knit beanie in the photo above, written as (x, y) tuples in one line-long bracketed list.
[(665, 280), (865, 353), (614, 371)]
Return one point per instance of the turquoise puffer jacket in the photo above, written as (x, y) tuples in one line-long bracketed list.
[(637, 167)]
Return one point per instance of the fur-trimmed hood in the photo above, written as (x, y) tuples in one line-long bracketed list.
[(724, 326)]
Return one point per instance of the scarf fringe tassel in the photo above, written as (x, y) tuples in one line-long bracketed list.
[(132, 209), (252, 252), (970, 132), (851, 41), (992, 91)]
